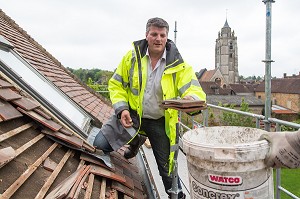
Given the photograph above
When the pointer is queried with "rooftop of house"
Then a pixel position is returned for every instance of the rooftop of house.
(282, 110)
(282, 85)
(206, 75)
(40, 155)
(212, 88)
(240, 88)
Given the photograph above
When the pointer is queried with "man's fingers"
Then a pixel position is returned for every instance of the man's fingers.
(188, 97)
(126, 122)
(126, 119)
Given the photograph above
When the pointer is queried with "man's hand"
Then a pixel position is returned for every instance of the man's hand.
(125, 119)
(284, 149)
(188, 97)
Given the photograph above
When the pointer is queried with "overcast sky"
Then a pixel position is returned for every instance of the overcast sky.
(96, 34)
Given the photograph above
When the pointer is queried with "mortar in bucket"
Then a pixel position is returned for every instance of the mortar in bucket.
(227, 162)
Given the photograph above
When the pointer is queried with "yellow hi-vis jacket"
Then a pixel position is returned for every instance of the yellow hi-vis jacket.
(128, 83)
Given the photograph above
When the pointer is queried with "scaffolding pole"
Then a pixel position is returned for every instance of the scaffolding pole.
(268, 61)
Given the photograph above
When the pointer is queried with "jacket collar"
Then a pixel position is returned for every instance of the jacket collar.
(173, 56)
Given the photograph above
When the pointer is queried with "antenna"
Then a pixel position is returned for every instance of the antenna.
(226, 13)
(175, 32)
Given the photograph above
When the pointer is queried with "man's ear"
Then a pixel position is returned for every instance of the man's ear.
(146, 36)
(168, 46)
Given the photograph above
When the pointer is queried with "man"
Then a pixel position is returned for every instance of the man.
(150, 73)
(284, 149)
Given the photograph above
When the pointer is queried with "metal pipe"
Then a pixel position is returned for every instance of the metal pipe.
(288, 193)
(261, 117)
(147, 176)
(268, 63)
(282, 122)
(205, 117)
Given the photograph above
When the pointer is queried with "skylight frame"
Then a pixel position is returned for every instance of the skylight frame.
(79, 125)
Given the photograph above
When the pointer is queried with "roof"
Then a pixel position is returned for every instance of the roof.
(282, 110)
(251, 87)
(53, 70)
(207, 75)
(282, 85)
(201, 72)
(226, 24)
(40, 156)
(210, 88)
(239, 88)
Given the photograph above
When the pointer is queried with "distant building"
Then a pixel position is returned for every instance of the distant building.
(226, 55)
(211, 76)
(285, 92)
(226, 60)
(292, 76)
(232, 94)
(242, 89)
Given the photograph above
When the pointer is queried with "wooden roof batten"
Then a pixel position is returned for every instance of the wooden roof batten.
(40, 131)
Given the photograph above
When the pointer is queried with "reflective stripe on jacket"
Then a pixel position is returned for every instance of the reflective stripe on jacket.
(128, 83)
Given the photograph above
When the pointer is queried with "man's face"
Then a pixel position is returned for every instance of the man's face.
(157, 39)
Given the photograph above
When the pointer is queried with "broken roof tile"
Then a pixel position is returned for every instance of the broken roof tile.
(5, 84)
(25, 103)
(42, 113)
(49, 164)
(8, 95)
(100, 171)
(73, 140)
(6, 154)
(65, 131)
(64, 187)
(73, 193)
(7, 111)
(46, 122)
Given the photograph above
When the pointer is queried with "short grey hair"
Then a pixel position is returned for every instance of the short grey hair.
(157, 22)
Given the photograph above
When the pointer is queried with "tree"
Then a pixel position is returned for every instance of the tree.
(234, 119)
(287, 128)
(97, 75)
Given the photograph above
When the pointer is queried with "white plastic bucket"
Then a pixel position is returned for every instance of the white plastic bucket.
(227, 163)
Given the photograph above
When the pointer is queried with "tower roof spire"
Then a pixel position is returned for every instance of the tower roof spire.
(226, 23)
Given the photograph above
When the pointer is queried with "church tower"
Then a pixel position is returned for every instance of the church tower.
(226, 55)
